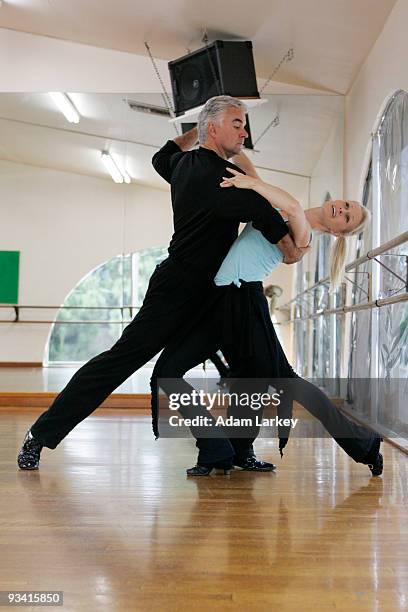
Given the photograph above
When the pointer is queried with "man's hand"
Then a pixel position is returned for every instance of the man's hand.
(291, 253)
(188, 140)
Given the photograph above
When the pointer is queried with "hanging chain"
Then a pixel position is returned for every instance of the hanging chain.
(165, 95)
(289, 55)
(273, 123)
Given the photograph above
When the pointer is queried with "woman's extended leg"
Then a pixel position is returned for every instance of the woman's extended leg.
(360, 443)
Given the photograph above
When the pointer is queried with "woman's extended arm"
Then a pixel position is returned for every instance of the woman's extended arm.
(279, 198)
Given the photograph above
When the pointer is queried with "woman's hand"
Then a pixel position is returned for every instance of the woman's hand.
(242, 181)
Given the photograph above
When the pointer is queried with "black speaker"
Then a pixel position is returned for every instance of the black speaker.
(222, 68)
(248, 144)
(186, 127)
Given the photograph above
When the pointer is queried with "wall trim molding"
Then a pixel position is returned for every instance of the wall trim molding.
(132, 401)
(21, 364)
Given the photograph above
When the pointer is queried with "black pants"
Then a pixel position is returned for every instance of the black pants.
(172, 299)
(192, 346)
(223, 370)
(239, 323)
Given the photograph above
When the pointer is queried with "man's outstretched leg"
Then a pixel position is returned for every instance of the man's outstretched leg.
(143, 338)
(86, 390)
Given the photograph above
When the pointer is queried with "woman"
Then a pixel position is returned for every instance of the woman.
(238, 322)
(339, 218)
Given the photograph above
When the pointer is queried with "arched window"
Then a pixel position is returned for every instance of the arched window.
(379, 338)
(390, 151)
(116, 290)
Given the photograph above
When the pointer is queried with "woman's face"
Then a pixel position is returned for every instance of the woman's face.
(341, 216)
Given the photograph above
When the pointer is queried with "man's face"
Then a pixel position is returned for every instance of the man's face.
(230, 133)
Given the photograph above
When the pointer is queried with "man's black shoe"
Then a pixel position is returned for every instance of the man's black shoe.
(252, 464)
(378, 465)
(29, 455)
(206, 468)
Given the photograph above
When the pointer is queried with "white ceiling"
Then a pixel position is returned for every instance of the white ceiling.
(331, 38)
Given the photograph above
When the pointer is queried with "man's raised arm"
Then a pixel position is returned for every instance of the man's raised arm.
(165, 160)
(188, 140)
(291, 253)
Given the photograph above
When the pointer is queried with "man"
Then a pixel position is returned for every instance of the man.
(206, 221)
(238, 321)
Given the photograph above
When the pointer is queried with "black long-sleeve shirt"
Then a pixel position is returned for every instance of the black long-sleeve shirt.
(207, 216)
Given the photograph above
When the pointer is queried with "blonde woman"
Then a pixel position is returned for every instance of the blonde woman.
(340, 218)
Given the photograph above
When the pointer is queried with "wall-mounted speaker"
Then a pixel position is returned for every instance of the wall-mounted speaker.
(222, 68)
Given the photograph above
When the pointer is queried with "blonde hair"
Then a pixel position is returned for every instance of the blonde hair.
(338, 251)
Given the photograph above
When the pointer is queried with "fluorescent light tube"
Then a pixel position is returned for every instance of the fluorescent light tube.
(126, 177)
(112, 167)
(117, 172)
(65, 106)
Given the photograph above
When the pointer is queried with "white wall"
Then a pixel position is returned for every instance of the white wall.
(65, 225)
(384, 71)
(327, 175)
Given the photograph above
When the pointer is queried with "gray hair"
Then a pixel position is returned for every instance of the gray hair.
(213, 109)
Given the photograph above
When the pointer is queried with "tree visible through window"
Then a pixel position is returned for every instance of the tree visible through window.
(112, 289)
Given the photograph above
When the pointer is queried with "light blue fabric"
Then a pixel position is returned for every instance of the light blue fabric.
(250, 258)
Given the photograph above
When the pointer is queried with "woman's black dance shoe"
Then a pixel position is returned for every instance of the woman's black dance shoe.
(205, 469)
(377, 467)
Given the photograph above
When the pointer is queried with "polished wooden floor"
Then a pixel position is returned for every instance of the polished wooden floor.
(112, 520)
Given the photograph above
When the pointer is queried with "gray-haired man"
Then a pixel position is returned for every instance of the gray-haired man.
(206, 221)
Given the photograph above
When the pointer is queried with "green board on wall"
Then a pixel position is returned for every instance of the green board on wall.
(9, 270)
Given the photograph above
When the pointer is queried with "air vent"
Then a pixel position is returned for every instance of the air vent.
(150, 109)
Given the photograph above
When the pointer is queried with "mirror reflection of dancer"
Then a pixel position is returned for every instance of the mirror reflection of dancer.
(273, 292)
(251, 337)
(206, 220)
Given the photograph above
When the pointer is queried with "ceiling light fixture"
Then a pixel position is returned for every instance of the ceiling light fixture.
(65, 106)
(118, 174)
